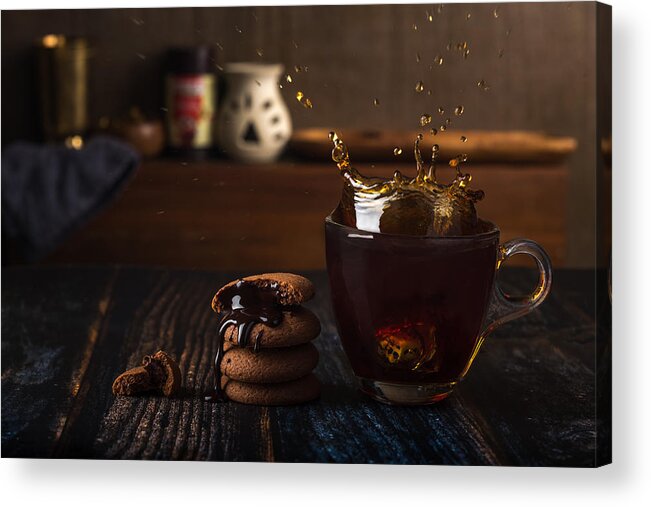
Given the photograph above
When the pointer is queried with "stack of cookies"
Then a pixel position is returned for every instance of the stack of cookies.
(274, 366)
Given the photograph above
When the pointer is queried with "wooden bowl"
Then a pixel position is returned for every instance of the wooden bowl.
(147, 137)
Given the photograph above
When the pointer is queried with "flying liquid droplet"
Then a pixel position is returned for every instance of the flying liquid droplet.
(438, 60)
(238, 29)
(303, 100)
(432, 166)
(288, 78)
(433, 131)
(138, 21)
(449, 46)
(376, 102)
(495, 13)
(463, 139)
(448, 121)
(425, 119)
(508, 32)
(441, 110)
(468, 16)
(453, 162)
(439, 8)
(259, 52)
(417, 57)
(415, 27)
(397, 151)
(219, 46)
(429, 92)
(430, 18)
(458, 110)
(442, 128)
(75, 142)
(420, 86)
(295, 44)
(466, 53)
(500, 54)
(298, 68)
(483, 85)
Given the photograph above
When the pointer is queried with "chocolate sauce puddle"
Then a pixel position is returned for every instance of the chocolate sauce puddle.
(247, 306)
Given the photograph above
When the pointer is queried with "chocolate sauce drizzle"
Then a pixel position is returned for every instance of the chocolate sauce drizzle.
(247, 305)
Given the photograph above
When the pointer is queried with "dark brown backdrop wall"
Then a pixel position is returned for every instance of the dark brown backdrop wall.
(537, 58)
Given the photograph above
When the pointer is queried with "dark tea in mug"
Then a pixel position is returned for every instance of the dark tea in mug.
(409, 308)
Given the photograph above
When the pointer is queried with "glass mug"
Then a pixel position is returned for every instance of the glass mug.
(413, 311)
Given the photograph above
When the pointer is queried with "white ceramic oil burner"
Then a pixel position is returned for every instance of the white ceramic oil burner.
(253, 122)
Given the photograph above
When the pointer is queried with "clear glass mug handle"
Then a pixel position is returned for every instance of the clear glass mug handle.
(504, 307)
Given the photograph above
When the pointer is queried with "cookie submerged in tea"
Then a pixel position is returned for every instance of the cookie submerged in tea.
(419, 206)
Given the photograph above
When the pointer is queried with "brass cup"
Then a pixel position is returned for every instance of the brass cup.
(62, 70)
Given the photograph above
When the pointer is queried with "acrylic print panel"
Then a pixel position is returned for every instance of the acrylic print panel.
(325, 234)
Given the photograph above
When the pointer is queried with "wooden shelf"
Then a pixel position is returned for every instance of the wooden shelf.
(228, 216)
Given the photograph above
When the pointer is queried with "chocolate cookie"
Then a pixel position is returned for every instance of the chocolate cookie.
(269, 366)
(158, 372)
(290, 289)
(299, 325)
(293, 392)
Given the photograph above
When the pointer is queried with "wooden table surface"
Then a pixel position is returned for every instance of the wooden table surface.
(529, 399)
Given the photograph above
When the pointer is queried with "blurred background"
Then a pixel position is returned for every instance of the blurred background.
(530, 83)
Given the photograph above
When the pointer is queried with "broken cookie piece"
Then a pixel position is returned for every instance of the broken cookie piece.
(158, 372)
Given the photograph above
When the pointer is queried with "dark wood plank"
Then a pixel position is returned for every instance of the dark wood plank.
(49, 327)
(528, 400)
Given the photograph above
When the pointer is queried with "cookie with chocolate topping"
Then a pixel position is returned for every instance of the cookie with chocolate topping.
(298, 325)
(264, 337)
(288, 288)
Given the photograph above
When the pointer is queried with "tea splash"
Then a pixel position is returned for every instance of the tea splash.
(419, 206)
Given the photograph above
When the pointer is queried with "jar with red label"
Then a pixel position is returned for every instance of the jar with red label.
(190, 100)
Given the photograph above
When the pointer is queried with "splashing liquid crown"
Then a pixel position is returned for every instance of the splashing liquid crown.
(419, 206)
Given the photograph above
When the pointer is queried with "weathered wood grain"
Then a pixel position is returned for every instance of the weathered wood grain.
(66, 333)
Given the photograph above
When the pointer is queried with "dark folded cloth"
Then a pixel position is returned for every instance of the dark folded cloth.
(49, 191)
